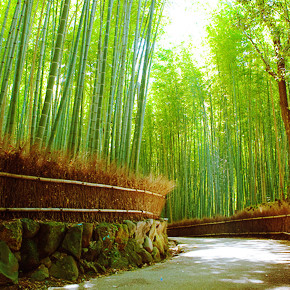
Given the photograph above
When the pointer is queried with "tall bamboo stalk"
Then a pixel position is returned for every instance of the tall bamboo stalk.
(52, 74)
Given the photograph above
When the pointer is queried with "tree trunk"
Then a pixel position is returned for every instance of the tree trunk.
(285, 116)
(284, 107)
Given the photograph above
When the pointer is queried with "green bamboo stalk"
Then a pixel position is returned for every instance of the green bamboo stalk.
(131, 97)
(26, 113)
(141, 105)
(37, 90)
(120, 89)
(240, 194)
(69, 77)
(3, 27)
(114, 73)
(19, 68)
(80, 86)
(79, 91)
(94, 105)
(96, 130)
(10, 48)
(52, 75)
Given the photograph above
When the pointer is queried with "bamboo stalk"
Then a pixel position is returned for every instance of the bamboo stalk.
(102, 78)
(19, 68)
(52, 75)
(38, 81)
(69, 77)
(75, 125)
(76, 182)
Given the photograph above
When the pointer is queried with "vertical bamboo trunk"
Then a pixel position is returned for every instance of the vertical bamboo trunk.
(102, 78)
(142, 98)
(132, 88)
(3, 28)
(10, 48)
(19, 68)
(52, 74)
(105, 152)
(94, 105)
(69, 77)
(37, 91)
(120, 88)
(281, 175)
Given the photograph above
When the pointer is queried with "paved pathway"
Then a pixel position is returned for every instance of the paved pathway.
(210, 264)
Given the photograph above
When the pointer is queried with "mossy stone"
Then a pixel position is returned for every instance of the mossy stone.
(8, 265)
(105, 233)
(29, 255)
(132, 246)
(161, 227)
(11, 233)
(88, 229)
(146, 257)
(135, 259)
(156, 255)
(122, 236)
(142, 228)
(72, 242)
(159, 244)
(65, 268)
(132, 251)
(46, 262)
(40, 274)
(50, 237)
(148, 245)
(131, 228)
(30, 228)
(152, 232)
(93, 252)
(117, 260)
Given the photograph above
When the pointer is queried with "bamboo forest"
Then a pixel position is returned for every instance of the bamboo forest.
(89, 77)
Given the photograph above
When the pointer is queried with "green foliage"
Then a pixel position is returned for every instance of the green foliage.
(74, 77)
(217, 133)
(65, 70)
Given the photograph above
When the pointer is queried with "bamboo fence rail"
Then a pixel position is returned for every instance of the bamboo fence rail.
(74, 210)
(76, 182)
(48, 198)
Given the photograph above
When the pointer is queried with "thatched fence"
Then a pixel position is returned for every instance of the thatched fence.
(259, 226)
(70, 200)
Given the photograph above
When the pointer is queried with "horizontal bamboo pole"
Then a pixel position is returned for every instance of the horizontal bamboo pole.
(241, 234)
(76, 182)
(2, 209)
(230, 221)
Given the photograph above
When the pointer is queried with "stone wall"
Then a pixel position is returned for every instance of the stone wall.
(40, 250)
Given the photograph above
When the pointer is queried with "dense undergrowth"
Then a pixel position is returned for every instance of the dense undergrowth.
(263, 210)
(87, 169)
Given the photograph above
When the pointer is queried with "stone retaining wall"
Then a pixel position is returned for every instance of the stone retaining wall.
(40, 250)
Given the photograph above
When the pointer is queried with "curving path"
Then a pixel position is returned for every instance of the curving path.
(206, 263)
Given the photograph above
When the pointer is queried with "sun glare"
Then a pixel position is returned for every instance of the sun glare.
(187, 20)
